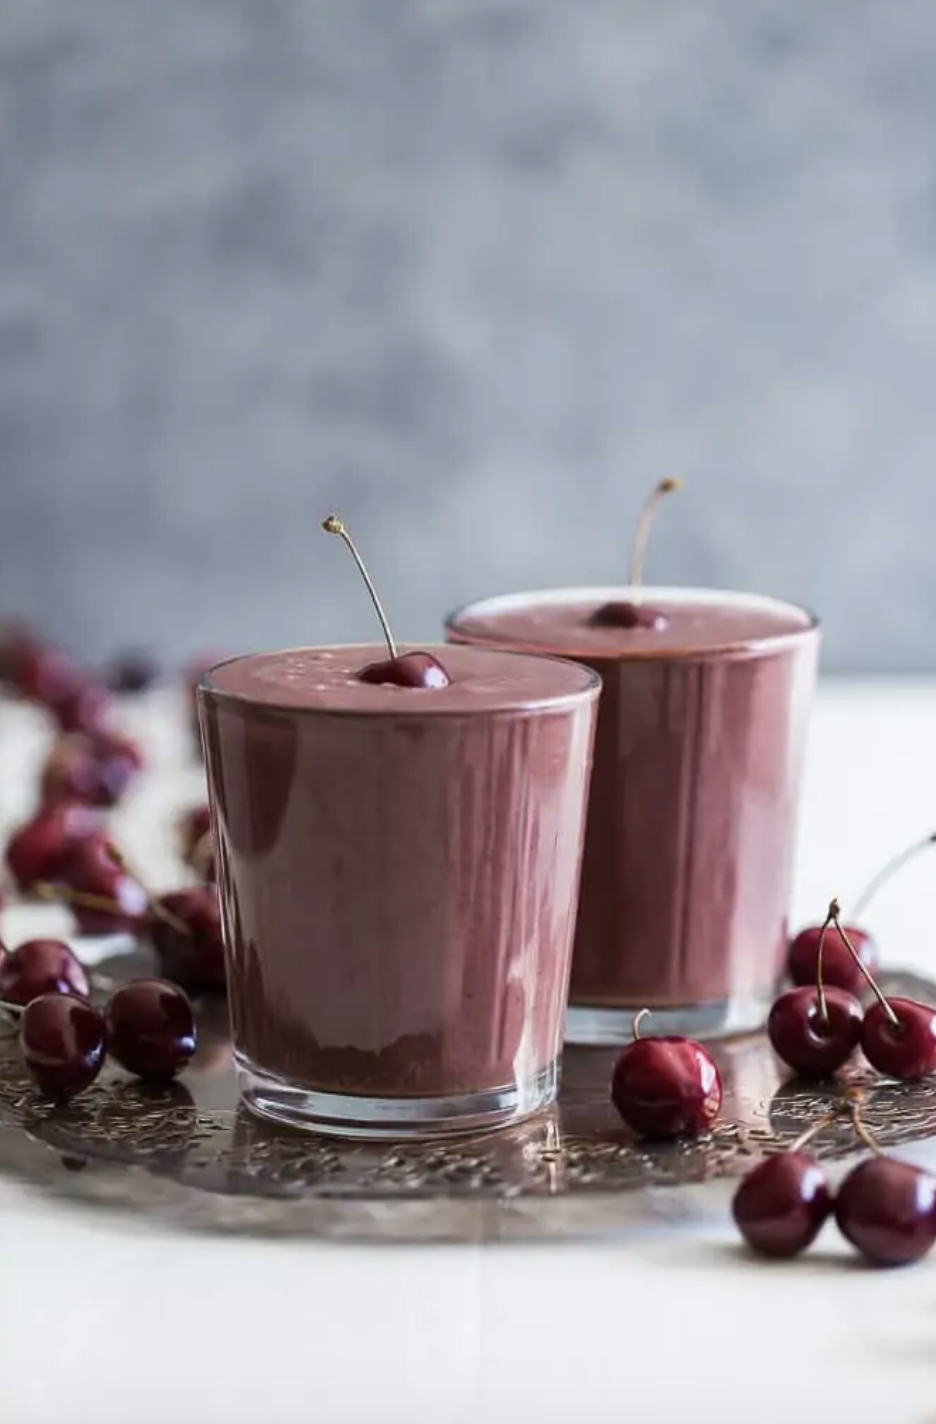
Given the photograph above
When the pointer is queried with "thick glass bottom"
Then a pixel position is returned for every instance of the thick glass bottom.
(717, 1019)
(397, 1119)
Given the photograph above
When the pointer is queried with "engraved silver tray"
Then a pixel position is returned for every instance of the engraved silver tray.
(192, 1154)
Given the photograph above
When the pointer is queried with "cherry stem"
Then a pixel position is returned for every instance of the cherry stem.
(864, 1133)
(880, 880)
(644, 525)
(820, 987)
(637, 1021)
(818, 1126)
(153, 901)
(835, 911)
(334, 525)
(63, 895)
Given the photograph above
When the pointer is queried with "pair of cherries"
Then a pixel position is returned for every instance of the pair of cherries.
(886, 1209)
(815, 1029)
(147, 1025)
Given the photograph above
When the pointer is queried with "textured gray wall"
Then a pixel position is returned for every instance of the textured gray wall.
(476, 274)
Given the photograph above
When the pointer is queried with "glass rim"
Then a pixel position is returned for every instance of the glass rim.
(458, 620)
(588, 692)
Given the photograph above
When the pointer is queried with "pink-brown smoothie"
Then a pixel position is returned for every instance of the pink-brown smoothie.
(399, 867)
(691, 824)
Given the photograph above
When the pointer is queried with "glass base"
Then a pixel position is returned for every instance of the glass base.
(717, 1019)
(396, 1119)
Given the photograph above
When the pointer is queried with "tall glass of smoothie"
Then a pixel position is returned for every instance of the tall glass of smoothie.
(691, 824)
(399, 847)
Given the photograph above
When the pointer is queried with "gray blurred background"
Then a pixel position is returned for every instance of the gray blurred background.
(475, 273)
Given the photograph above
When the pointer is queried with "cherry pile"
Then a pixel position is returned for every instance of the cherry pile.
(885, 1208)
(147, 1025)
(815, 1030)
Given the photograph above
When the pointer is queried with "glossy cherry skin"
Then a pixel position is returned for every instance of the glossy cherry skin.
(624, 614)
(196, 959)
(808, 1044)
(151, 1028)
(194, 829)
(407, 670)
(42, 673)
(666, 1087)
(41, 966)
(62, 1040)
(907, 1050)
(38, 850)
(887, 1209)
(84, 709)
(838, 967)
(782, 1204)
(90, 871)
(96, 769)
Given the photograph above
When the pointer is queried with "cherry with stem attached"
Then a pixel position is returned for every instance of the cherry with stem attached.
(783, 1203)
(413, 669)
(816, 1029)
(840, 967)
(886, 1208)
(898, 1035)
(666, 1086)
(634, 612)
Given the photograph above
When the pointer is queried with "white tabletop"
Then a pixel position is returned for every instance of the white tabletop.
(112, 1320)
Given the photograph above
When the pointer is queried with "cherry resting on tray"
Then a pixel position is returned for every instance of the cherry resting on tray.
(887, 1210)
(41, 966)
(104, 897)
(839, 966)
(414, 669)
(184, 928)
(62, 1042)
(150, 1028)
(93, 767)
(633, 612)
(815, 1033)
(39, 849)
(666, 1086)
(783, 1203)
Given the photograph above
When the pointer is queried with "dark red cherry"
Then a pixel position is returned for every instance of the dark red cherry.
(96, 769)
(132, 671)
(41, 966)
(666, 1087)
(626, 614)
(42, 673)
(194, 959)
(887, 1209)
(83, 709)
(89, 870)
(906, 1049)
(838, 966)
(781, 1205)
(807, 1042)
(62, 1042)
(194, 831)
(407, 670)
(151, 1028)
(39, 849)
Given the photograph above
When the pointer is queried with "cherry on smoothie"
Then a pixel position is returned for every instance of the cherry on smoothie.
(666, 1086)
(413, 669)
(634, 612)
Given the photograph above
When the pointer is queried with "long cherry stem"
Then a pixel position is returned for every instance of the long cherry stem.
(820, 987)
(644, 525)
(637, 1021)
(334, 525)
(891, 868)
(861, 1131)
(835, 913)
(812, 1131)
